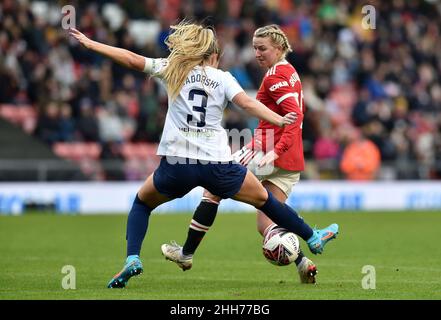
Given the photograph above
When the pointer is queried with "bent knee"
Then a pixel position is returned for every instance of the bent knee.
(207, 196)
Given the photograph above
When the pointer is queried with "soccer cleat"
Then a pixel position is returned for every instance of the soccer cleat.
(307, 271)
(173, 252)
(320, 237)
(132, 268)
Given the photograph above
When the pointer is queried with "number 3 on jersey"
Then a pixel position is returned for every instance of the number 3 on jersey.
(201, 108)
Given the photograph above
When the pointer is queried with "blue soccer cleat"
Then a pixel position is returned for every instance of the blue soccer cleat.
(320, 237)
(133, 267)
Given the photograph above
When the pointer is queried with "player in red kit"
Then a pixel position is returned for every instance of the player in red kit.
(281, 91)
(275, 154)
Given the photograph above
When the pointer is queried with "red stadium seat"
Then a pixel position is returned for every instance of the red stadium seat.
(128, 151)
(141, 159)
(85, 154)
(24, 116)
(92, 150)
(62, 150)
(139, 150)
(147, 150)
(78, 150)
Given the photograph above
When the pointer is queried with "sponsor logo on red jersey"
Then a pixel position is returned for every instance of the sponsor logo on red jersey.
(278, 85)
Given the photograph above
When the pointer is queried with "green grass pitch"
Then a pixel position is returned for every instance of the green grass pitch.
(401, 246)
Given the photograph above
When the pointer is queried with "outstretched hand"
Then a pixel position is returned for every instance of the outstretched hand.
(289, 118)
(85, 41)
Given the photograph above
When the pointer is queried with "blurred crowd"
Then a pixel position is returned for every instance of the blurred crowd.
(380, 84)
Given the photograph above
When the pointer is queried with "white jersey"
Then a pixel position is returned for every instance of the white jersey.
(193, 123)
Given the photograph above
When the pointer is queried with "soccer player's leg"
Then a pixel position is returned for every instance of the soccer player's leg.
(306, 269)
(201, 222)
(222, 179)
(252, 192)
(147, 199)
(263, 222)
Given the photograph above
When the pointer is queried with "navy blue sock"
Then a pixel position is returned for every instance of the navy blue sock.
(285, 217)
(137, 224)
(299, 258)
(203, 219)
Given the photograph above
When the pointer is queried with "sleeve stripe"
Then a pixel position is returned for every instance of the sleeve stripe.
(148, 65)
(284, 97)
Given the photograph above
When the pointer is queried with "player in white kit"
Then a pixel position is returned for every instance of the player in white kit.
(194, 146)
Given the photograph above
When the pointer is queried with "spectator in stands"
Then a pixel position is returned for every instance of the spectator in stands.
(9, 86)
(110, 125)
(147, 125)
(66, 124)
(396, 62)
(48, 128)
(113, 164)
(361, 158)
(326, 151)
(87, 124)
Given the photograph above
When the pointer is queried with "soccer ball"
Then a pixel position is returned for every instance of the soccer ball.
(281, 247)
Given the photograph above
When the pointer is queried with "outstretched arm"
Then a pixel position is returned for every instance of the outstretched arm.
(259, 110)
(121, 56)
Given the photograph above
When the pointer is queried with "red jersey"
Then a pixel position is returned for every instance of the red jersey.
(281, 91)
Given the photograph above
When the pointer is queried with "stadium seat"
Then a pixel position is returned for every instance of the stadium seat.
(77, 151)
(147, 150)
(141, 158)
(128, 151)
(139, 150)
(62, 150)
(85, 154)
(24, 116)
(92, 150)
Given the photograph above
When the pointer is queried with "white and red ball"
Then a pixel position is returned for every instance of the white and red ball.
(281, 247)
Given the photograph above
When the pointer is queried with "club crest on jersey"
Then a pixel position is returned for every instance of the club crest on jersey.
(278, 85)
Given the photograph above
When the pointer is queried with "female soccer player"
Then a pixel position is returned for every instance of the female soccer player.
(281, 92)
(194, 146)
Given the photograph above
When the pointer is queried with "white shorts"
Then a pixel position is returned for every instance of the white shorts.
(285, 180)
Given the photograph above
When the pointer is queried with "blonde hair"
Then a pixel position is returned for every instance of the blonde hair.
(190, 45)
(277, 36)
